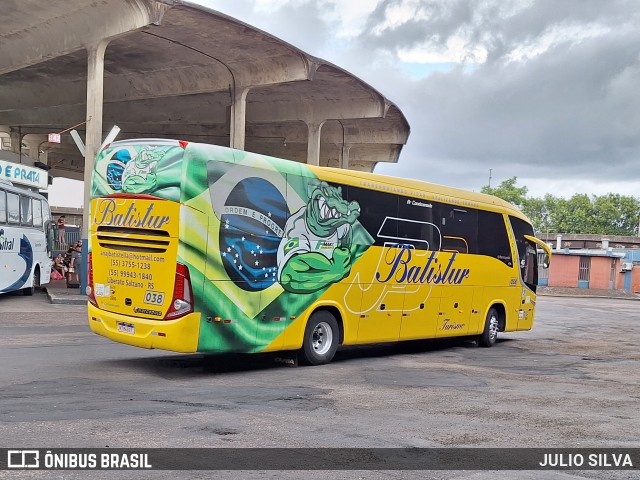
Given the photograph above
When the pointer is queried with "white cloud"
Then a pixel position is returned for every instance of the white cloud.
(553, 36)
(348, 17)
(398, 14)
(456, 50)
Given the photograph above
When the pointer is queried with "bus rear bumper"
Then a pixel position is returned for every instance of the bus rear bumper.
(180, 335)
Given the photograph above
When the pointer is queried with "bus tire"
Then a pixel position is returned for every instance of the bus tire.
(490, 333)
(321, 337)
(28, 291)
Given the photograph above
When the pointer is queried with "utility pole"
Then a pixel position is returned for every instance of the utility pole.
(489, 178)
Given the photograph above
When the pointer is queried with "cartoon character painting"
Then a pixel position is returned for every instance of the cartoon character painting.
(139, 175)
(134, 175)
(314, 251)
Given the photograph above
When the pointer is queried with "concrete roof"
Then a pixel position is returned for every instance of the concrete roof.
(172, 69)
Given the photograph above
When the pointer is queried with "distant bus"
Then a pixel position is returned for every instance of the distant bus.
(201, 248)
(26, 239)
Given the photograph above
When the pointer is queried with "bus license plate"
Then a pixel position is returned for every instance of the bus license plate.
(126, 328)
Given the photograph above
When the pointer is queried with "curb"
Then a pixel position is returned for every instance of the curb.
(568, 295)
(67, 299)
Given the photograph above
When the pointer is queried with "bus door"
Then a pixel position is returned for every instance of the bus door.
(456, 311)
(420, 310)
(459, 226)
(422, 297)
(381, 297)
(529, 276)
(527, 270)
(418, 231)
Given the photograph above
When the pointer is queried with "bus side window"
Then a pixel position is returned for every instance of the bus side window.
(13, 208)
(26, 214)
(416, 224)
(459, 229)
(378, 213)
(493, 240)
(37, 213)
(3, 207)
(46, 212)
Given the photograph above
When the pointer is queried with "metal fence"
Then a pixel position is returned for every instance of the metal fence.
(71, 235)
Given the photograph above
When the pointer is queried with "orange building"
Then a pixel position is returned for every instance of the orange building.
(593, 261)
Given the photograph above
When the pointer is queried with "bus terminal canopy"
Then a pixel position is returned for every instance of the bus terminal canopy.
(173, 69)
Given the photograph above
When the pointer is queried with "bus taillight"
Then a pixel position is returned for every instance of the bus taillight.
(182, 301)
(91, 296)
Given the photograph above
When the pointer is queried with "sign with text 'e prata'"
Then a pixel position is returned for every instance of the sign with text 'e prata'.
(24, 174)
(54, 138)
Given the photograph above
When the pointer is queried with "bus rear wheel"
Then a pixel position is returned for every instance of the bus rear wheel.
(321, 337)
(490, 333)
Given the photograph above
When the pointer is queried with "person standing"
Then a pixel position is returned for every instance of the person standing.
(75, 265)
(61, 236)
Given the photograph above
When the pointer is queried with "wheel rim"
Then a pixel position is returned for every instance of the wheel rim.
(493, 328)
(322, 338)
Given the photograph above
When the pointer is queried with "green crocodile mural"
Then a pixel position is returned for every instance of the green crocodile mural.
(314, 251)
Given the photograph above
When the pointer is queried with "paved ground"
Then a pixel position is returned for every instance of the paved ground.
(570, 382)
(587, 292)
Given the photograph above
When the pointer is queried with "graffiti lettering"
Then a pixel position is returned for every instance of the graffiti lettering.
(432, 272)
(132, 218)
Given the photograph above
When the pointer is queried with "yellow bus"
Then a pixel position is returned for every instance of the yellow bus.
(202, 248)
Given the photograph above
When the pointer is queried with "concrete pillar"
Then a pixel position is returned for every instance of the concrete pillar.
(238, 118)
(313, 142)
(344, 156)
(16, 140)
(32, 143)
(95, 92)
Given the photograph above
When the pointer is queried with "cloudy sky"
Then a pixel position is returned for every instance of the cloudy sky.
(545, 90)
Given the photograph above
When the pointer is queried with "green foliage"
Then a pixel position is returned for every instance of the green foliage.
(508, 191)
(610, 214)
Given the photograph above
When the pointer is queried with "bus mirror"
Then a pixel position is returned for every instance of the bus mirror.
(546, 260)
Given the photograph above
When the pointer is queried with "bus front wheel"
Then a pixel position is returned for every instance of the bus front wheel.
(28, 291)
(490, 333)
(321, 337)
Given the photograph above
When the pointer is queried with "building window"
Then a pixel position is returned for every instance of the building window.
(583, 272)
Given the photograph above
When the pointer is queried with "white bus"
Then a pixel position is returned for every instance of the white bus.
(25, 239)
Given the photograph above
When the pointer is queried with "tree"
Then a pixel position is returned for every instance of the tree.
(508, 191)
(610, 214)
(572, 216)
(616, 214)
(539, 211)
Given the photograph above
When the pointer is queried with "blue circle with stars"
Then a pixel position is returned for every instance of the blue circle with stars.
(250, 233)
